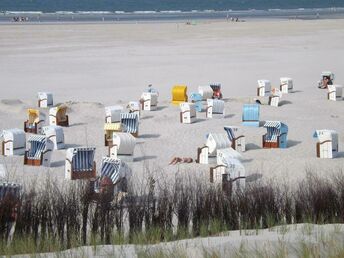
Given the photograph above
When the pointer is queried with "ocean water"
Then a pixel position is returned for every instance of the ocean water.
(161, 5)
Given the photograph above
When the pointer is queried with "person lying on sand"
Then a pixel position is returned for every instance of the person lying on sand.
(176, 160)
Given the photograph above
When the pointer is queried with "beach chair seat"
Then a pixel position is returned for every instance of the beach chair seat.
(109, 129)
(113, 114)
(56, 135)
(196, 98)
(334, 92)
(57, 116)
(130, 123)
(34, 122)
(216, 87)
(276, 136)
(179, 94)
(286, 85)
(45, 99)
(122, 144)
(188, 113)
(215, 106)
(327, 144)
(237, 142)
(206, 92)
(264, 87)
(13, 142)
(39, 152)
(149, 101)
(250, 115)
(80, 163)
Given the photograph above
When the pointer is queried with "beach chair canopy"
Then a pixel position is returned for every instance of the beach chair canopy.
(187, 106)
(217, 141)
(215, 86)
(114, 169)
(250, 112)
(9, 190)
(274, 129)
(325, 135)
(206, 92)
(327, 74)
(264, 83)
(150, 89)
(82, 158)
(34, 116)
(59, 112)
(38, 144)
(113, 114)
(125, 143)
(179, 94)
(16, 136)
(223, 155)
(231, 130)
(130, 122)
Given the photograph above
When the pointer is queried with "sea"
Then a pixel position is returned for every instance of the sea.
(37, 11)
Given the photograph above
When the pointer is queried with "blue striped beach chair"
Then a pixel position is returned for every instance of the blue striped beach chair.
(250, 115)
(80, 163)
(130, 123)
(39, 152)
(276, 135)
(239, 142)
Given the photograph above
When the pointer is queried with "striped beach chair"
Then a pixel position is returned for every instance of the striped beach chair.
(80, 163)
(197, 98)
(250, 115)
(188, 113)
(286, 85)
(264, 86)
(34, 122)
(215, 106)
(130, 123)
(238, 142)
(276, 136)
(134, 107)
(45, 99)
(13, 142)
(55, 134)
(39, 152)
(57, 116)
(327, 144)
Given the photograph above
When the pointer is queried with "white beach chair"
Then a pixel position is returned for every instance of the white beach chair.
(80, 163)
(13, 142)
(39, 152)
(34, 122)
(206, 92)
(275, 97)
(134, 107)
(123, 145)
(215, 106)
(286, 85)
(45, 99)
(56, 135)
(203, 155)
(57, 116)
(264, 86)
(334, 92)
(149, 101)
(327, 145)
(188, 113)
(217, 141)
(237, 142)
(113, 114)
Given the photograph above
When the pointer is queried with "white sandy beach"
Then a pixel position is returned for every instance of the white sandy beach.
(90, 66)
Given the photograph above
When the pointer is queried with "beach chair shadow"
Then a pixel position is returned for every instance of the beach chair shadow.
(77, 124)
(340, 155)
(146, 117)
(292, 143)
(161, 108)
(150, 135)
(143, 158)
(285, 102)
(253, 177)
(229, 116)
(252, 146)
